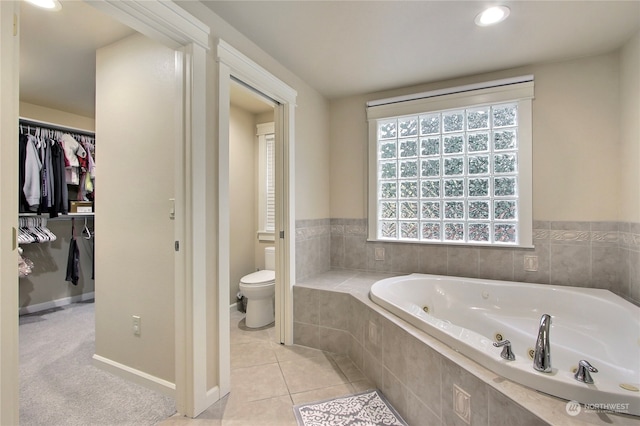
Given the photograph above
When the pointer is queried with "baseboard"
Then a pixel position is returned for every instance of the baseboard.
(136, 376)
(56, 303)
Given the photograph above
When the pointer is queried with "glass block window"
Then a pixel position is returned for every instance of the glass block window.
(449, 176)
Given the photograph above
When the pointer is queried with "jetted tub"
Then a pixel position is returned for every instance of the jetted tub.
(470, 314)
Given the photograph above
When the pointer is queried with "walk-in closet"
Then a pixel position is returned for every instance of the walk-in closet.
(56, 235)
(60, 197)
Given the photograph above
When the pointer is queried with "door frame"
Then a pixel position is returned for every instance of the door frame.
(9, 109)
(233, 64)
(166, 22)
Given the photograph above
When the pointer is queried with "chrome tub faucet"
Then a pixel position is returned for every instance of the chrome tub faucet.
(506, 353)
(542, 354)
(583, 373)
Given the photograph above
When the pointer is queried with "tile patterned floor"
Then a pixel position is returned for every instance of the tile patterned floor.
(268, 379)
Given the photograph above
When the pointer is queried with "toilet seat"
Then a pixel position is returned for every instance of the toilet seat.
(260, 277)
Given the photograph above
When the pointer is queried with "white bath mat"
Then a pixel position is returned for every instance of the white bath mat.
(369, 408)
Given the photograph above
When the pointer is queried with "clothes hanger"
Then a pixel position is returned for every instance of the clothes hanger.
(86, 233)
(43, 227)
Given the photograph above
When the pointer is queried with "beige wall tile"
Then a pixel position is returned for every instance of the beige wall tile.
(305, 335)
(334, 309)
(334, 340)
(503, 412)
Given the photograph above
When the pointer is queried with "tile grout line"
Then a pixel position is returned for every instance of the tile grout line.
(284, 379)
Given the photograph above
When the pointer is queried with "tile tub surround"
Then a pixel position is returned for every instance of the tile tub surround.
(583, 254)
(416, 372)
(313, 247)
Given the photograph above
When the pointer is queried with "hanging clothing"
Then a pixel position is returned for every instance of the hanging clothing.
(33, 167)
(23, 206)
(61, 199)
(76, 154)
(47, 193)
(73, 261)
(47, 156)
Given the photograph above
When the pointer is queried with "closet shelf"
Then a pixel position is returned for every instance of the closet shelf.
(67, 216)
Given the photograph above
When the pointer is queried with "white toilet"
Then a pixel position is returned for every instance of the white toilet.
(259, 289)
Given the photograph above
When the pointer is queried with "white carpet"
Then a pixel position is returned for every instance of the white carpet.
(369, 408)
(59, 384)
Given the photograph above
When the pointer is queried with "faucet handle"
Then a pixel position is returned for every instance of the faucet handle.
(506, 350)
(584, 372)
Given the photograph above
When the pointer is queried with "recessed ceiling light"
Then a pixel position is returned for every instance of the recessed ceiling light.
(492, 15)
(53, 5)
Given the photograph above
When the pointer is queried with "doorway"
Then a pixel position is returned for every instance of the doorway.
(235, 67)
(109, 293)
(251, 186)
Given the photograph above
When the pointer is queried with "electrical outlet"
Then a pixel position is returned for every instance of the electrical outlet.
(379, 253)
(136, 325)
(531, 263)
(462, 404)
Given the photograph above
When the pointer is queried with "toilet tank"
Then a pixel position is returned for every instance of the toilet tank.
(270, 258)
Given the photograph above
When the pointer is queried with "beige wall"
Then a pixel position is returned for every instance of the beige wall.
(242, 196)
(630, 130)
(576, 149)
(311, 132)
(312, 156)
(55, 116)
(576, 140)
(136, 118)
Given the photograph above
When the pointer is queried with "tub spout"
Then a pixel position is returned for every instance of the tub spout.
(542, 354)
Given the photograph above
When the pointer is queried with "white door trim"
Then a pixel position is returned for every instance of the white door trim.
(160, 20)
(232, 63)
(9, 100)
(224, 236)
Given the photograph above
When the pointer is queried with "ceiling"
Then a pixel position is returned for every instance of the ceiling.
(58, 54)
(340, 48)
(343, 48)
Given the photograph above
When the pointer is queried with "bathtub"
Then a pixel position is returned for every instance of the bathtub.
(470, 314)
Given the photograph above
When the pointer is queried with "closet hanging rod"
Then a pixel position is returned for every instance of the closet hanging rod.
(52, 126)
(67, 216)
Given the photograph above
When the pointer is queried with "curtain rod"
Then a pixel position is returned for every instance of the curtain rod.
(451, 90)
(52, 126)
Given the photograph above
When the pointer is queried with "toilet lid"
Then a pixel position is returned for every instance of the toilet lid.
(260, 277)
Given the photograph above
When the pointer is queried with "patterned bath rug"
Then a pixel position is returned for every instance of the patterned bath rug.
(368, 408)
